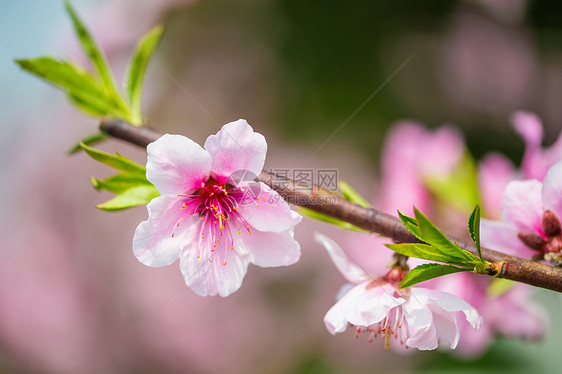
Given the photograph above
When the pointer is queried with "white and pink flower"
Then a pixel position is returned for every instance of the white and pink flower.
(211, 215)
(531, 213)
(415, 316)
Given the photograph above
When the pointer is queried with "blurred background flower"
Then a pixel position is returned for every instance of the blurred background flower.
(72, 296)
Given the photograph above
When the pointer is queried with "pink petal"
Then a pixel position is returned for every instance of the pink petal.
(552, 189)
(529, 126)
(450, 303)
(352, 272)
(522, 205)
(236, 149)
(364, 306)
(270, 249)
(208, 278)
(516, 315)
(271, 212)
(424, 339)
(442, 151)
(176, 164)
(502, 237)
(153, 244)
(446, 326)
(335, 320)
(417, 313)
(495, 171)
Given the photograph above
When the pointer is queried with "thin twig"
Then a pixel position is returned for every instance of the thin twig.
(322, 201)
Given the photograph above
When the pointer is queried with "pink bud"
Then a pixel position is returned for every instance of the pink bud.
(532, 240)
(550, 224)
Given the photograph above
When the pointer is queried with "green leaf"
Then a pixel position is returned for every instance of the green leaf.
(432, 235)
(411, 224)
(116, 161)
(119, 183)
(324, 218)
(499, 286)
(427, 272)
(459, 188)
(89, 140)
(90, 48)
(425, 252)
(137, 69)
(98, 60)
(351, 195)
(79, 84)
(474, 228)
(136, 196)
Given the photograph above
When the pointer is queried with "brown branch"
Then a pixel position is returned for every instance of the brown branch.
(321, 201)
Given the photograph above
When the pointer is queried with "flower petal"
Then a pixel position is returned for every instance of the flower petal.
(502, 237)
(424, 339)
(529, 126)
(335, 320)
(270, 213)
(365, 305)
(209, 278)
(235, 149)
(450, 303)
(446, 326)
(153, 244)
(270, 249)
(522, 205)
(495, 171)
(347, 268)
(552, 189)
(176, 164)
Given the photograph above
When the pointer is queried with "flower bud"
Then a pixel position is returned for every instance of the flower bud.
(550, 224)
(532, 240)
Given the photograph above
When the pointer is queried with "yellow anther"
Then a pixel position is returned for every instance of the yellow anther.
(198, 256)
(239, 231)
(210, 260)
(224, 262)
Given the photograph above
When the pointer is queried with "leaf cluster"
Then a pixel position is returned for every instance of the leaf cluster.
(130, 185)
(96, 93)
(436, 246)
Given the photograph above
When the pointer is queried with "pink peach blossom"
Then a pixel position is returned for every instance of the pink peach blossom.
(536, 160)
(418, 317)
(210, 209)
(531, 213)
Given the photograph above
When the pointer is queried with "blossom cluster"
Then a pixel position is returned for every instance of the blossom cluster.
(216, 219)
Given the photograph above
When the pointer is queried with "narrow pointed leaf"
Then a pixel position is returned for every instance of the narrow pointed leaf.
(90, 48)
(432, 235)
(426, 252)
(351, 195)
(119, 183)
(137, 69)
(116, 161)
(136, 196)
(324, 218)
(428, 271)
(474, 228)
(410, 224)
(89, 140)
(99, 61)
(78, 83)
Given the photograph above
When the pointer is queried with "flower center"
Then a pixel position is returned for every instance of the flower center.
(217, 205)
(393, 324)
